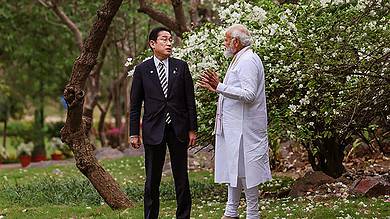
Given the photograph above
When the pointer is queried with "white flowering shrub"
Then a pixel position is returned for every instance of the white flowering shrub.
(3, 153)
(326, 65)
(334, 82)
(58, 147)
(24, 149)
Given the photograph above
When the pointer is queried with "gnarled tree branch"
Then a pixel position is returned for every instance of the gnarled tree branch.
(177, 25)
(180, 16)
(53, 5)
(74, 132)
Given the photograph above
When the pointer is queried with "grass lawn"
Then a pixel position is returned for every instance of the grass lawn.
(62, 192)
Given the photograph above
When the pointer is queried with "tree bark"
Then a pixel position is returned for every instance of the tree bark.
(103, 113)
(53, 5)
(72, 26)
(127, 110)
(150, 22)
(180, 16)
(194, 13)
(93, 90)
(177, 25)
(134, 37)
(39, 152)
(329, 158)
(74, 133)
(118, 85)
(117, 104)
(5, 134)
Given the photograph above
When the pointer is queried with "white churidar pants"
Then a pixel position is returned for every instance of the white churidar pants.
(251, 195)
(234, 193)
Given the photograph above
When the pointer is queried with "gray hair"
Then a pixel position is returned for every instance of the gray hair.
(241, 33)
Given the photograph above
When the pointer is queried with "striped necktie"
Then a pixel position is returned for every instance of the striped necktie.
(164, 85)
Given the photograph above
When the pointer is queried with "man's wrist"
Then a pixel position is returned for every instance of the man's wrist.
(220, 87)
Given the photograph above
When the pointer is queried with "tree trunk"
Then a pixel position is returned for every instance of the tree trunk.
(150, 22)
(93, 90)
(134, 36)
(127, 110)
(117, 105)
(39, 152)
(5, 134)
(180, 16)
(329, 158)
(177, 25)
(117, 93)
(103, 113)
(74, 133)
(194, 13)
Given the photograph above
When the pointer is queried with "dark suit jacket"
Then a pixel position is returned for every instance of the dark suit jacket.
(180, 101)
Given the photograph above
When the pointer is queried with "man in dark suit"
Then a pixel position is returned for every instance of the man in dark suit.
(165, 86)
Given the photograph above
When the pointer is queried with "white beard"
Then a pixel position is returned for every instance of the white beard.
(228, 52)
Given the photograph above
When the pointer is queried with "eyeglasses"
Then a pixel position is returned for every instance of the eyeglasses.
(166, 40)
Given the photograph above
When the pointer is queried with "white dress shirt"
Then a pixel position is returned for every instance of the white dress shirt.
(165, 61)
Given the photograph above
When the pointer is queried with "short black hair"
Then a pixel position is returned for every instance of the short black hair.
(154, 33)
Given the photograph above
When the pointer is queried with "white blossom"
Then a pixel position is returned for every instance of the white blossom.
(325, 2)
(273, 28)
(293, 108)
(128, 62)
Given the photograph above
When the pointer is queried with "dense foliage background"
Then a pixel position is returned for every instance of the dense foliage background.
(326, 65)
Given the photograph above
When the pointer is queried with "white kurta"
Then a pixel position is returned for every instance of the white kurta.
(242, 120)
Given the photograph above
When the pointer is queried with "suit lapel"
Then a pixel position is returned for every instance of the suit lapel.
(172, 68)
(152, 74)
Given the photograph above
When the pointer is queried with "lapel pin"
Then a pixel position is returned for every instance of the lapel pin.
(151, 72)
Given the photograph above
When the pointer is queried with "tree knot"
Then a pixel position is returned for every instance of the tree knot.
(73, 96)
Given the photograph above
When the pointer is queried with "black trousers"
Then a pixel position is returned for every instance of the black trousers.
(154, 162)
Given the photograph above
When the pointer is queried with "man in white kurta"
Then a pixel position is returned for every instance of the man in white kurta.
(241, 150)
